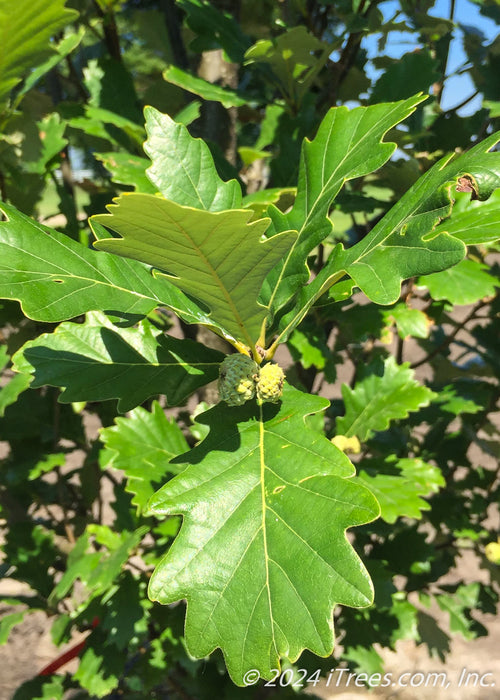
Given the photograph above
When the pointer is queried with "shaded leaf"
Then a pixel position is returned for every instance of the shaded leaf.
(66, 46)
(99, 670)
(258, 201)
(26, 29)
(410, 322)
(10, 391)
(293, 60)
(376, 401)
(96, 361)
(457, 604)
(452, 402)
(202, 88)
(413, 72)
(97, 569)
(52, 142)
(8, 622)
(127, 169)
(261, 577)
(141, 445)
(42, 688)
(183, 168)
(464, 283)
(214, 29)
(95, 119)
(400, 494)
(217, 257)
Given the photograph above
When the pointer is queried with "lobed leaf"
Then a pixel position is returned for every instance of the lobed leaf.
(466, 283)
(127, 169)
(399, 494)
(182, 167)
(290, 61)
(348, 145)
(214, 29)
(217, 257)
(261, 577)
(410, 323)
(142, 446)
(403, 243)
(478, 224)
(376, 401)
(407, 241)
(97, 361)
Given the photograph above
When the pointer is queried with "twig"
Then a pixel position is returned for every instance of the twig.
(451, 337)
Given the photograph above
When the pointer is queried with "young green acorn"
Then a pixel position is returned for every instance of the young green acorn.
(270, 383)
(238, 376)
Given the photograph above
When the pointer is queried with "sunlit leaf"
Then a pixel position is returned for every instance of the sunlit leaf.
(261, 576)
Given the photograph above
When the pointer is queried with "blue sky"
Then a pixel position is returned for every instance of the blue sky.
(466, 13)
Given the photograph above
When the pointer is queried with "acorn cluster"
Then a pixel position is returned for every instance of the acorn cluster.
(240, 379)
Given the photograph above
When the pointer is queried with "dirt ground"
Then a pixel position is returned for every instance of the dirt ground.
(471, 669)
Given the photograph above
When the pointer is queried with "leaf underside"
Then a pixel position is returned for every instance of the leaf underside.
(56, 278)
(217, 257)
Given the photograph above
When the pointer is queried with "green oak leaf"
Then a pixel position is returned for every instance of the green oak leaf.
(213, 28)
(202, 88)
(376, 401)
(400, 494)
(141, 445)
(259, 201)
(403, 243)
(51, 143)
(182, 167)
(26, 30)
(478, 224)
(10, 390)
(462, 284)
(410, 323)
(260, 575)
(451, 401)
(217, 257)
(458, 603)
(406, 242)
(66, 46)
(128, 169)
(348, 145)
(413, 72)
(52, 687)
(56, 278)
(96, 361)
(14, 386)
(8, 622)
(97, 569)
(291, 61)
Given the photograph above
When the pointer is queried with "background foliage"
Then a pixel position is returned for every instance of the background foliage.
(413, 384)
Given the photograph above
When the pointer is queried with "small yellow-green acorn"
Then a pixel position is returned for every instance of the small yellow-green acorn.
(270, 383)
(237, 379)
